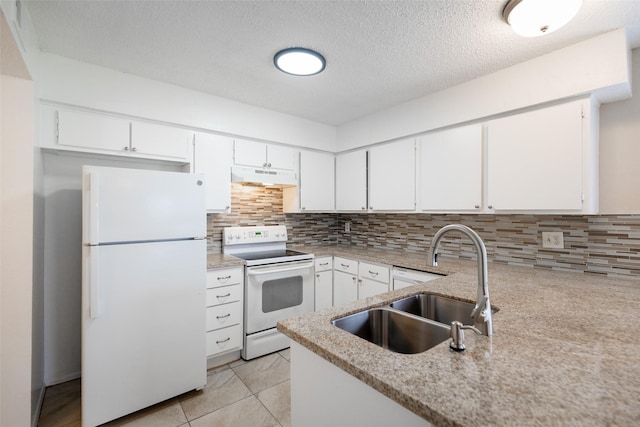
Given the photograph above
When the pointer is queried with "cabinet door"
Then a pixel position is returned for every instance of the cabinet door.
(351, 181)
(317, 174)
(451, 170)
(324, 289)
(158, 140)
(392, 176)
(249, 153)
(279, 157)
(368, 288)
(535, 160)
(212, 156)
(345, 288)
(88, 130)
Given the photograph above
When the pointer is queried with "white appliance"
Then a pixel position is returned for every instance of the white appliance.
(404, 277)
(279, 284)
(283, 178)
(143, 289)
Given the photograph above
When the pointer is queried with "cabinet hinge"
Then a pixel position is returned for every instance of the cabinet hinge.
(57, 127)
(582, 111)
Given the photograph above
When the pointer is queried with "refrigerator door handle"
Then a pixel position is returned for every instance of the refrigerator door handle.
(94, 283)
(94, 192)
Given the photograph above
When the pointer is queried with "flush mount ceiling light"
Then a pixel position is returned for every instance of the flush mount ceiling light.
(299, 61)
(533, 18)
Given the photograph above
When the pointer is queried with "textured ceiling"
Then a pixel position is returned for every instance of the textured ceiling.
(379, 53)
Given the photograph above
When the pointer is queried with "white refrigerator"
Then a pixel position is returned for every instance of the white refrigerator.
(143, 289)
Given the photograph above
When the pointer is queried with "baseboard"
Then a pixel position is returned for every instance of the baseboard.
(62, 379)
(35, 416)
(223, 359)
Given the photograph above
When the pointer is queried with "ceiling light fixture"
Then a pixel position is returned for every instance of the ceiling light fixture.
(533, 18)
(299, 61)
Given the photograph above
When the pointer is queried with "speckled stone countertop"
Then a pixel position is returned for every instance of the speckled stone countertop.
(222, 261)
(565, 349)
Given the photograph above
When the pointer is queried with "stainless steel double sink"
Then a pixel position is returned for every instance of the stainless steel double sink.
(411, 325)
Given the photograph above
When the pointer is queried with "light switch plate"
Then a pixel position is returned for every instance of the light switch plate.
(553, 239)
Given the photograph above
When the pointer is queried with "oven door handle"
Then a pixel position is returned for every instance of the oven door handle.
(255, 271)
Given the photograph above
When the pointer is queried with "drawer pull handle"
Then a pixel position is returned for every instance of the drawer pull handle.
(373, 273)
(224, 340)
(225, 277)
(324, 263)
(224, 296)
(344, 265)
(223, 317)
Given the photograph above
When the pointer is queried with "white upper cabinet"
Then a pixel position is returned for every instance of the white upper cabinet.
(351, 181)
(259, 154)
(160, 140)
(279, 157)
(450, 168)
(317, 175)
(212, 155)
(100, 133)
(250, 153)
(392, 176)
(93, 131)
(539, 160)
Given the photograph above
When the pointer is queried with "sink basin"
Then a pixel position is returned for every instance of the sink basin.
(437, 308)
(394, 330)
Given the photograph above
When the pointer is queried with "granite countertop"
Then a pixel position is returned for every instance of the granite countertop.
(564, 349)
(223, 261)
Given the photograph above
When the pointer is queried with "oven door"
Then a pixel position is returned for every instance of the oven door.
(277, 292)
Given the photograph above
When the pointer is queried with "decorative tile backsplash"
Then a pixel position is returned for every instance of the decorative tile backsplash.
(608, 245)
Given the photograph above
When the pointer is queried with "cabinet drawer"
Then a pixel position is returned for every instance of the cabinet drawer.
(224, 339)
(224, 295)
(376, 272)
(223, 315)
(224, 277)
(346, 265)
(324, 263)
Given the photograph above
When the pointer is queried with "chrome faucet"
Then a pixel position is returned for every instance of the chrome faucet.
(481, 313)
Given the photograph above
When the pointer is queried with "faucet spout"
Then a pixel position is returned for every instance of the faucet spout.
(481, 313)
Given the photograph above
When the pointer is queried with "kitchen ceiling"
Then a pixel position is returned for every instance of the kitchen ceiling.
(379, 53)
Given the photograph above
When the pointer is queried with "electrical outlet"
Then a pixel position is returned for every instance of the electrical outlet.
(347, 227)
(553, 239)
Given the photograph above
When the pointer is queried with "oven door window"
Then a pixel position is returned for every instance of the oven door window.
(282, 293)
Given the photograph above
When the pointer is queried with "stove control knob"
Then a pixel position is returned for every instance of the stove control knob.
(238, 236)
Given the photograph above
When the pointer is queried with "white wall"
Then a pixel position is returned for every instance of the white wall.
(598, 65)
(68, 81)
(16, 241)
(620, 151)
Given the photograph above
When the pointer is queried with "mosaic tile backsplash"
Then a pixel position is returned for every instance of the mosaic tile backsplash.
(608, 245)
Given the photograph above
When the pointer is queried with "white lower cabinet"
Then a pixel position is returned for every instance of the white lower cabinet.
(317, 385)
(353, 280)
(373, 279)
(345, 280)
(324, 282)
(224, 310)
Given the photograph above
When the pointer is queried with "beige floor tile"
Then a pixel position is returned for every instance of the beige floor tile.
(285, 353)
(277, 400)
(61, 405)
(247, 412)
(222, 389)
(165, 414)
(267, 371)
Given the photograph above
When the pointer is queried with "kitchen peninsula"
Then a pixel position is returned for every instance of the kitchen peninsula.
(563, 350)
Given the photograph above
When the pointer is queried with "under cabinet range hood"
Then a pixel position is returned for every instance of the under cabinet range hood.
(263, 176)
